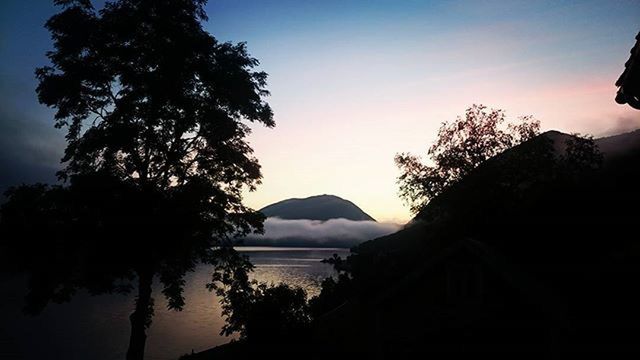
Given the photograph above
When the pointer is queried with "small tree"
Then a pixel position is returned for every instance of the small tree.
(259, 312)
(461, 146)
(156, 162)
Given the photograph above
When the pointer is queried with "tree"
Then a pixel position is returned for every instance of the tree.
(155, 110)
(261, 313)
(461, 146)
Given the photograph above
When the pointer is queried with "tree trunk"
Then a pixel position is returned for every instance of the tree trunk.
(141, 316)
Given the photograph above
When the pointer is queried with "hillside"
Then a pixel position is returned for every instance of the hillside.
(475, 200)
(320, 207)
(621, 144)
(523, 253)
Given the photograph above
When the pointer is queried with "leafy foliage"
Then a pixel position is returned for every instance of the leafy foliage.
(582, 155)
(148, 95)
(231, 283)
(279, 313)
(156, 112)
(461, 146)
(335, 292)
(261, 313)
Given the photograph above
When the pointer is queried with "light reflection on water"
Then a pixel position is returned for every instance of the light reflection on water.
(98, 327)
(295, 266)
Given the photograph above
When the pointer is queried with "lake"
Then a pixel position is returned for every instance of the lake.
(98, 327)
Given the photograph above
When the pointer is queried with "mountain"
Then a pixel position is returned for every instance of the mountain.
(317, 221)
(320, 207)
(621, 144)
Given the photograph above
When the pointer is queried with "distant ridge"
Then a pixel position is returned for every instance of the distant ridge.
(620, 144)
(319, 207)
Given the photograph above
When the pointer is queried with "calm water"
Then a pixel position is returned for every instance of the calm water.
(98, 327)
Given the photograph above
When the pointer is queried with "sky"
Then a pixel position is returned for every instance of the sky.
(355, 82)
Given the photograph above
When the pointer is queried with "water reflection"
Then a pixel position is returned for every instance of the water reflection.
(98, 327)
(297, 266)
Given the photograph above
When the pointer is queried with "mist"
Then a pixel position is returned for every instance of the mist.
(314, 233)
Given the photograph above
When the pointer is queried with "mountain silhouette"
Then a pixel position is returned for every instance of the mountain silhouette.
(619, 145)
(319, 207)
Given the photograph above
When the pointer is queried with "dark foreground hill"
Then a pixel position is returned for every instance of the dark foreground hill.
(525, 254)
(320, 207)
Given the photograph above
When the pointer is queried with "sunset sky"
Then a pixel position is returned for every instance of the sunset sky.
(355, 82)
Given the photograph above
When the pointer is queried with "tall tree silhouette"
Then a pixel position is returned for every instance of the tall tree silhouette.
(460, 147)
(156, 110)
